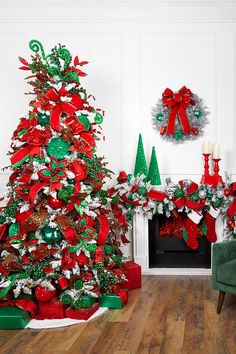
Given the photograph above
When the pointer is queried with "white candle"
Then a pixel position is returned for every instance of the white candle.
(216, 151)
(206, 147)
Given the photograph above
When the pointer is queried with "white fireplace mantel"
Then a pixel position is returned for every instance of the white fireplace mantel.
(141, 251)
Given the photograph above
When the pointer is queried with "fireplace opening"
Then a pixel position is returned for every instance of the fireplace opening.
(167, 248)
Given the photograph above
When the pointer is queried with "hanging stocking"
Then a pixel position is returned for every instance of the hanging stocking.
(210, 222)
(190, 230)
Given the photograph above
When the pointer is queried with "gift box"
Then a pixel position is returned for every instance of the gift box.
(114, 301)
(81, 314)
(132, 272)
(86, 301)
(52, 309)
(13, 318)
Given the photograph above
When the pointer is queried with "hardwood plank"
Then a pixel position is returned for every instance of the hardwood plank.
(170, 314)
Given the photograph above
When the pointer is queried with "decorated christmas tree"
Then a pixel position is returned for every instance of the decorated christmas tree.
(58, 232)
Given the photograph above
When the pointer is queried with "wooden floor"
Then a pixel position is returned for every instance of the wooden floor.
(170, 314)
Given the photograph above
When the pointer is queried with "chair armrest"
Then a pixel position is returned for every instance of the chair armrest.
(222, 252)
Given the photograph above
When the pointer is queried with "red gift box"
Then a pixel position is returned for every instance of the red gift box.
(132, 272)
(53, 309)
(81, 314)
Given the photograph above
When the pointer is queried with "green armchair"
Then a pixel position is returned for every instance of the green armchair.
(224, 270)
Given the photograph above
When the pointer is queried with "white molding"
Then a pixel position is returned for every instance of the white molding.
(119, 3)
(177, 271)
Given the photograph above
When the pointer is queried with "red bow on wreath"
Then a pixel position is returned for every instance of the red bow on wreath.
(62, 105)
(178, 102)
(186, 200)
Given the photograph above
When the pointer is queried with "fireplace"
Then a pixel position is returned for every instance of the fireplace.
(167, 248)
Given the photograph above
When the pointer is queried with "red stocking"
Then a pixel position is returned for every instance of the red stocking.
(190, 234)
(210, 221)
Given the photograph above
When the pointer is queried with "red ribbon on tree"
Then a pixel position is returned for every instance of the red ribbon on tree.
(178, 102)
(191, 189)
(62, 106)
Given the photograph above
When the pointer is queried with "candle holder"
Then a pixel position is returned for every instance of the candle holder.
(206, 178)
(216, 178)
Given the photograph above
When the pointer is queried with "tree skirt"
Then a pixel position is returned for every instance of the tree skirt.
(41, 324)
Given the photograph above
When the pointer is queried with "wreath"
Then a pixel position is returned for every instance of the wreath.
(180, 116)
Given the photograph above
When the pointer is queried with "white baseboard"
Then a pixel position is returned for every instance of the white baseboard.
(177, 271)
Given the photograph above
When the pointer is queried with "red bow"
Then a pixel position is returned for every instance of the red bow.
(178, 102)
(62, 106)
(186, 201)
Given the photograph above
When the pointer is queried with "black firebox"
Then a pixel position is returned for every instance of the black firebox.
(169, 251)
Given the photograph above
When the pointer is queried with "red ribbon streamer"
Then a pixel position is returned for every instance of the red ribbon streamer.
(22, 153)
(104, 229)
(178, 102)
(156, 195)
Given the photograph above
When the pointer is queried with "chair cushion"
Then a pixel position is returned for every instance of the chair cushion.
(226, 273)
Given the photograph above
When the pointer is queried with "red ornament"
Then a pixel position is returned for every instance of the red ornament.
(122, 177)
(55, 203)
(163, 130)
(43, 294)
(63, 283)
(82, 259)
(195, 131)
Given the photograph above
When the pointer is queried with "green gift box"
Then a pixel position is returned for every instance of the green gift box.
(13, 318)
(112, 301)
(87, 301)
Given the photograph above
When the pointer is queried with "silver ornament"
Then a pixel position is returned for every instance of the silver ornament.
(202, 194)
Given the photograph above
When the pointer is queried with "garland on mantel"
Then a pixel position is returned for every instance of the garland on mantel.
(201, 202)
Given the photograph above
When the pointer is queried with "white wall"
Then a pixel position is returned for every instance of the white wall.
(135, 49)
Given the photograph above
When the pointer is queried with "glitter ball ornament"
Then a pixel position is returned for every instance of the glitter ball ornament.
(202, 194)
(142, 191)
(13, 229)
(51, 235)
(194, 197)
(217, 203)
(43, 119)
(178, 135)
(179, 193)
(55, 203)
(43, 295)
(197, 113)
(58, 148)
(220, 193)
(159, 117)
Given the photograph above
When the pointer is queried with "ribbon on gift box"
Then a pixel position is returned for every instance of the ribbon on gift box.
(178, 103)
(62, 105)
(23, 304)
(185, 200)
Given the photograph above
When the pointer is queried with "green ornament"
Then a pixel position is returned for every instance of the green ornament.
(109, 250)
(129, 217)
(51, 234)
(91, 247)
(165, 206)
(194, 197)
(131, 197)
(142, 191)
(197, 113)
(117, 259)
(115, 199)
(129, 177)
(14, 229)
(78, 284)
(85, 121)
(58, 148)
(159, 117)
(2, 219)
(179, 193)
(43, 119)
(217, 203)
(178, 135)
(209, 195)
(66, 299)
(98, 119)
